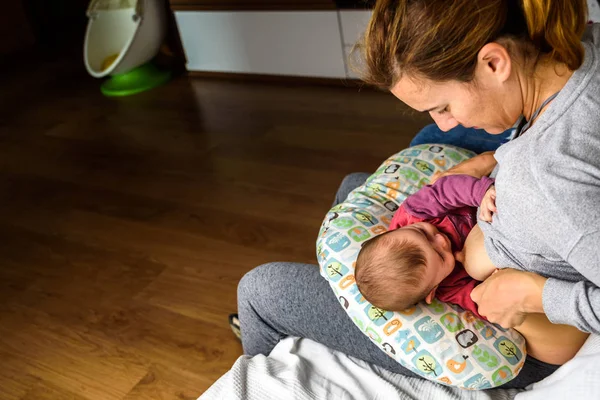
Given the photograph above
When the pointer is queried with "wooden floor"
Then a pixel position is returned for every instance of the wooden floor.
(125, 224)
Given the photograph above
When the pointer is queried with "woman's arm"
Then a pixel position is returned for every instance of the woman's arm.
(479, 166)
(577, 303)
(570, 184)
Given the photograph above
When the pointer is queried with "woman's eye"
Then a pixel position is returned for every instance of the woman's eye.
(444, 111)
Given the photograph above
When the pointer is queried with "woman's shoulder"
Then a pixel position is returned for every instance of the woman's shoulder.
(575, 112)
(586, 79)
(569, 149)
(592, 34)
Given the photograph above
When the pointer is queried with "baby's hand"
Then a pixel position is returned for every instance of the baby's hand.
(488, 205)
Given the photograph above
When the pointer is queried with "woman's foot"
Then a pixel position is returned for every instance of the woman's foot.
(234, 324)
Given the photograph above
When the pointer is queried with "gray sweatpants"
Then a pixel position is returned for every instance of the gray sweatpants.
(282, 299)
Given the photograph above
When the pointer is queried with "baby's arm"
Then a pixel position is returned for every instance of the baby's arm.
(447, 194)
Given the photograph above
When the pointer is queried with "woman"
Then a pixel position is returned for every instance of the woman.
(480, 63)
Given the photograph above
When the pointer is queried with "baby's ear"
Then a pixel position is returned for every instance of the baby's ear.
(431, 295)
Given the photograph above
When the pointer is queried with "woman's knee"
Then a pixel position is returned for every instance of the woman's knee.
(354, 180)
(349, 183)
(273, 282)
(260, 279)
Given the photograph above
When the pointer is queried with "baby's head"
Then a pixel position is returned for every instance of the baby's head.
(399, 268)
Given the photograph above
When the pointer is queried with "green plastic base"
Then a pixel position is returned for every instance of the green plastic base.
(140, 79)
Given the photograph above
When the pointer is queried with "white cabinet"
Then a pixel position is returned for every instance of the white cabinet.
(301, 43)
(353, 25)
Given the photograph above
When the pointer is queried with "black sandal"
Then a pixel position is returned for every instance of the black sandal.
(234, 324)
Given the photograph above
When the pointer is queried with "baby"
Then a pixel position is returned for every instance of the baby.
(418, 255)
(432, 236)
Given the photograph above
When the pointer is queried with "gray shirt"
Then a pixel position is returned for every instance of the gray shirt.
(548, 198)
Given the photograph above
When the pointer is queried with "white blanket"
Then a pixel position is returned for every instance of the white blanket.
(577, 379)
(302, 369)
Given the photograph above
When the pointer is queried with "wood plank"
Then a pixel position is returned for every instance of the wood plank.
(169, 338)
(15, 381)
(162, 383)
(71, 279)
(46, 391)
(74, 360)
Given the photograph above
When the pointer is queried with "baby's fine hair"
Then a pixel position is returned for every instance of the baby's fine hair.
(389, 271)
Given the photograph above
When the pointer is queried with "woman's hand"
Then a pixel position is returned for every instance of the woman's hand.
(478, 166)
(508, 295)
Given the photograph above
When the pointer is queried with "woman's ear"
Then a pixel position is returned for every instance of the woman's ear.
(493, 63)
(431, 295)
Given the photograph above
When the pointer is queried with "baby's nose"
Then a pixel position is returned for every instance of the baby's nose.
(442, 240)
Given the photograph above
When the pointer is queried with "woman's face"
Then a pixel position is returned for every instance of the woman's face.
(490, 105)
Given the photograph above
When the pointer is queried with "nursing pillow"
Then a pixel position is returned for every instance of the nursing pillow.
(438, 341)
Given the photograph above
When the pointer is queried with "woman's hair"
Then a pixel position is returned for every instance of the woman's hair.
(389, 272)
(440, 39)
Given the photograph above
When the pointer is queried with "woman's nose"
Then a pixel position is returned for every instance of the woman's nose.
(445, 123)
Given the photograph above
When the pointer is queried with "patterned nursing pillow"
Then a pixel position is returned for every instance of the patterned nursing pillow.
(439, 341)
